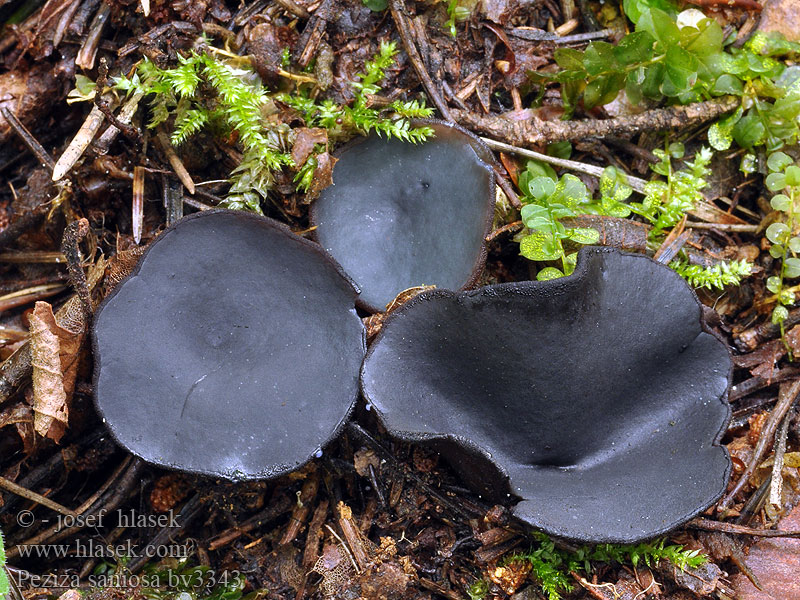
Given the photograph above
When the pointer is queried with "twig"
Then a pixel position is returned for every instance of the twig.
(573, 165)
(539, 35)
(79, 143)
(274, 510)
(88, 52)
(505, 228)
(109, 502)
(709, 525)
(31, 142)
(73, 234)
(12, 487)
(786, 398)
(507, 188)
(101, 103)
(536, 131)
(190, 510)
(776, 485)
(733, 227)
(174, 160)
(398, 10)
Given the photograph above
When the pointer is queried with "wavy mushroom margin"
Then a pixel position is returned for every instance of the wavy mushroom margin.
(571, 491)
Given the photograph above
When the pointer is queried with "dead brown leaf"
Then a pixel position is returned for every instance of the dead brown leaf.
(304, 142)
(776, 563)
(54, 356)
(323, 175)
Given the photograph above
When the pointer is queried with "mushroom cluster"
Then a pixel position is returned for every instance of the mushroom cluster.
(596, 401)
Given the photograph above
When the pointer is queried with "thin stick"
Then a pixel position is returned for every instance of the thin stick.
(573, 165)
(175, 161)
(12, 487)
(733, 227)
(31, 142)
(709, 525)
(79, 143)
(398, 10)
(786, 398)
(501, 230)
(776, 485)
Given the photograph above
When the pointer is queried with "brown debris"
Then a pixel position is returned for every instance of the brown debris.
(54, 358)
(776, 563)
(29, 94)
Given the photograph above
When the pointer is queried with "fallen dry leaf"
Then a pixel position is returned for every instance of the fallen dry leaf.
(54, 356)
(776, 564)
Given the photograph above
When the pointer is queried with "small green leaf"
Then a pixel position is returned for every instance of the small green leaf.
(774, 284)
(781, 202)
(794, 244)
(776, 251)
(549, 273)
(777, 233)
(792, 267)
(541, 187)
(661, 26)
(634, 8)
(376, 5)
(727, 84)
(599, 58)
(775, 182)
(560, 149)
(603, 90)
(676, 150)
(540, 246)
(778, 161)
(681, 67)
(720, 134)
(583, 235)
(792, 175)
(749, 131)
(536, 216)
(636, 47)
(569, 59)
(779, 314)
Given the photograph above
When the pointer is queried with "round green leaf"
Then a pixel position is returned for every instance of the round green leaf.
(540, 246)
(778, 161)
(777, 233)
(775, 182)
(776, 251)
(793, 175)
(583, 235)
(727, 84)
(779, 314)
(794, 244)
(774, 284)
(781, 202)
(541, 187)
(549, 273)
(792, 267)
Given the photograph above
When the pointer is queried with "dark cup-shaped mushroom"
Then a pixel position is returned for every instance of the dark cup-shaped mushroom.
(400, 215)
(233, 349)
(597, 400)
